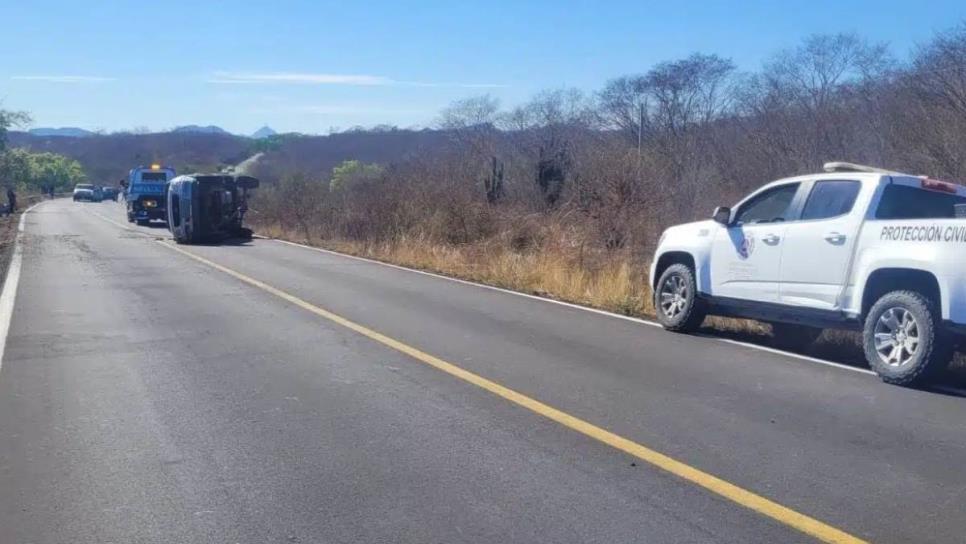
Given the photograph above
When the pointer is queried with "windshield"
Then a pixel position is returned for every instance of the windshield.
(84, 186)
(154, 176)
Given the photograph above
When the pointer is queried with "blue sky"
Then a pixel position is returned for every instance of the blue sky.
(312, 65)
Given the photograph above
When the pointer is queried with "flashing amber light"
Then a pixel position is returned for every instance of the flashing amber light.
(155, 167)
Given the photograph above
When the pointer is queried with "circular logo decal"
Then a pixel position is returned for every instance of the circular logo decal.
(747, 246)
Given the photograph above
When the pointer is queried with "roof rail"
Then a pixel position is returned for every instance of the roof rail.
(839, 166)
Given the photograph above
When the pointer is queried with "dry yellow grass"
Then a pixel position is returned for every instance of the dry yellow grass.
(611, 282)
(559, 270)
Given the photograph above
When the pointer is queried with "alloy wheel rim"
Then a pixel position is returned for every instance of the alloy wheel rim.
(673, 296)
(896, 337)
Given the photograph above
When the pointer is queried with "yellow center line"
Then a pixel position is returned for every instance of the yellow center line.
(732, 492)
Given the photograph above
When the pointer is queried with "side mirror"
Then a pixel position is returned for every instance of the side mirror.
(722, 215)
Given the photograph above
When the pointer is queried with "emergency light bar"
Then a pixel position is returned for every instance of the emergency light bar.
(839, 166)
(927, 183)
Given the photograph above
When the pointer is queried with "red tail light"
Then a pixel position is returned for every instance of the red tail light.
(941, 186)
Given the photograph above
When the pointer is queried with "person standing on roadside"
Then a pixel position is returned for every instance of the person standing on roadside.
(11, 200)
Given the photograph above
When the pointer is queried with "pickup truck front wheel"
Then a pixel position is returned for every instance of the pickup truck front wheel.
(903, 341)
(676, 303)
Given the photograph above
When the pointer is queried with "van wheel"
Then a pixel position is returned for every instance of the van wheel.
(903, 341)
(676, 303)
(793, 337)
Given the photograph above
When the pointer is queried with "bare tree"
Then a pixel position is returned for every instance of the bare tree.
(805, 103)
(472, 122)
(927, 109)
(672, 98)
(545, 131)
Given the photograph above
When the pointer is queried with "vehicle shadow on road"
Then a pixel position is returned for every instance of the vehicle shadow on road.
(235, 242)
(844, 347)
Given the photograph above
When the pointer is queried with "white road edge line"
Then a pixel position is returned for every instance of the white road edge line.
(797, 356)
(638, 320)
(6, 300)
(472, 283)
(9, 294)
(749, 345)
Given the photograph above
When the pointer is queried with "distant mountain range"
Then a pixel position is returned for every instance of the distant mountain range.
(76, 132)
(210, 129)
(264, 132)
(62, 131)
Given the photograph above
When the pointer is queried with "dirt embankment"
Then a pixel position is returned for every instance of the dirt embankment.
(8, 233)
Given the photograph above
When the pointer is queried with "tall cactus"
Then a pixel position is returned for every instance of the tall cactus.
(493, 182)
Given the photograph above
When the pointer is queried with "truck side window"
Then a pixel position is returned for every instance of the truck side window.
(769, 206)
(831, 199)
(905, 202)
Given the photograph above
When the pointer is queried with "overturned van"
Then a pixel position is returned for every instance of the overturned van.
(208, 207)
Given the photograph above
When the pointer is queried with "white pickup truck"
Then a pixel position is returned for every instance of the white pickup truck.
(855, 247)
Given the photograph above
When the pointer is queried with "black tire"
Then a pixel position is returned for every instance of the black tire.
(688, 311)
(934, 348)
(130, 218)
(793, 337)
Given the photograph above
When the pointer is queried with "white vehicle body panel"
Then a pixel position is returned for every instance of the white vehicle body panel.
(936, 246)
(817, 254)
(824, 264)
(746, 262)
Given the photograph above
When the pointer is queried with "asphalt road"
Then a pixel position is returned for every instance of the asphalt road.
(149, 397)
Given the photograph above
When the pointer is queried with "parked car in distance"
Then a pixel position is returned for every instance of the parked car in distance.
(87, 192)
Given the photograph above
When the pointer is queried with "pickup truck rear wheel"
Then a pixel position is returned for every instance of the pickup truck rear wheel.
(676, 303)
(793, 337)
(903, 340)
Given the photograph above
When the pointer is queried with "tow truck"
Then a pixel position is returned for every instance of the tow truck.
(146, 193)
(854, 247)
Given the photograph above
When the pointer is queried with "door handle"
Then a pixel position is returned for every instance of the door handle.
(834, 238)
(771, 239)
